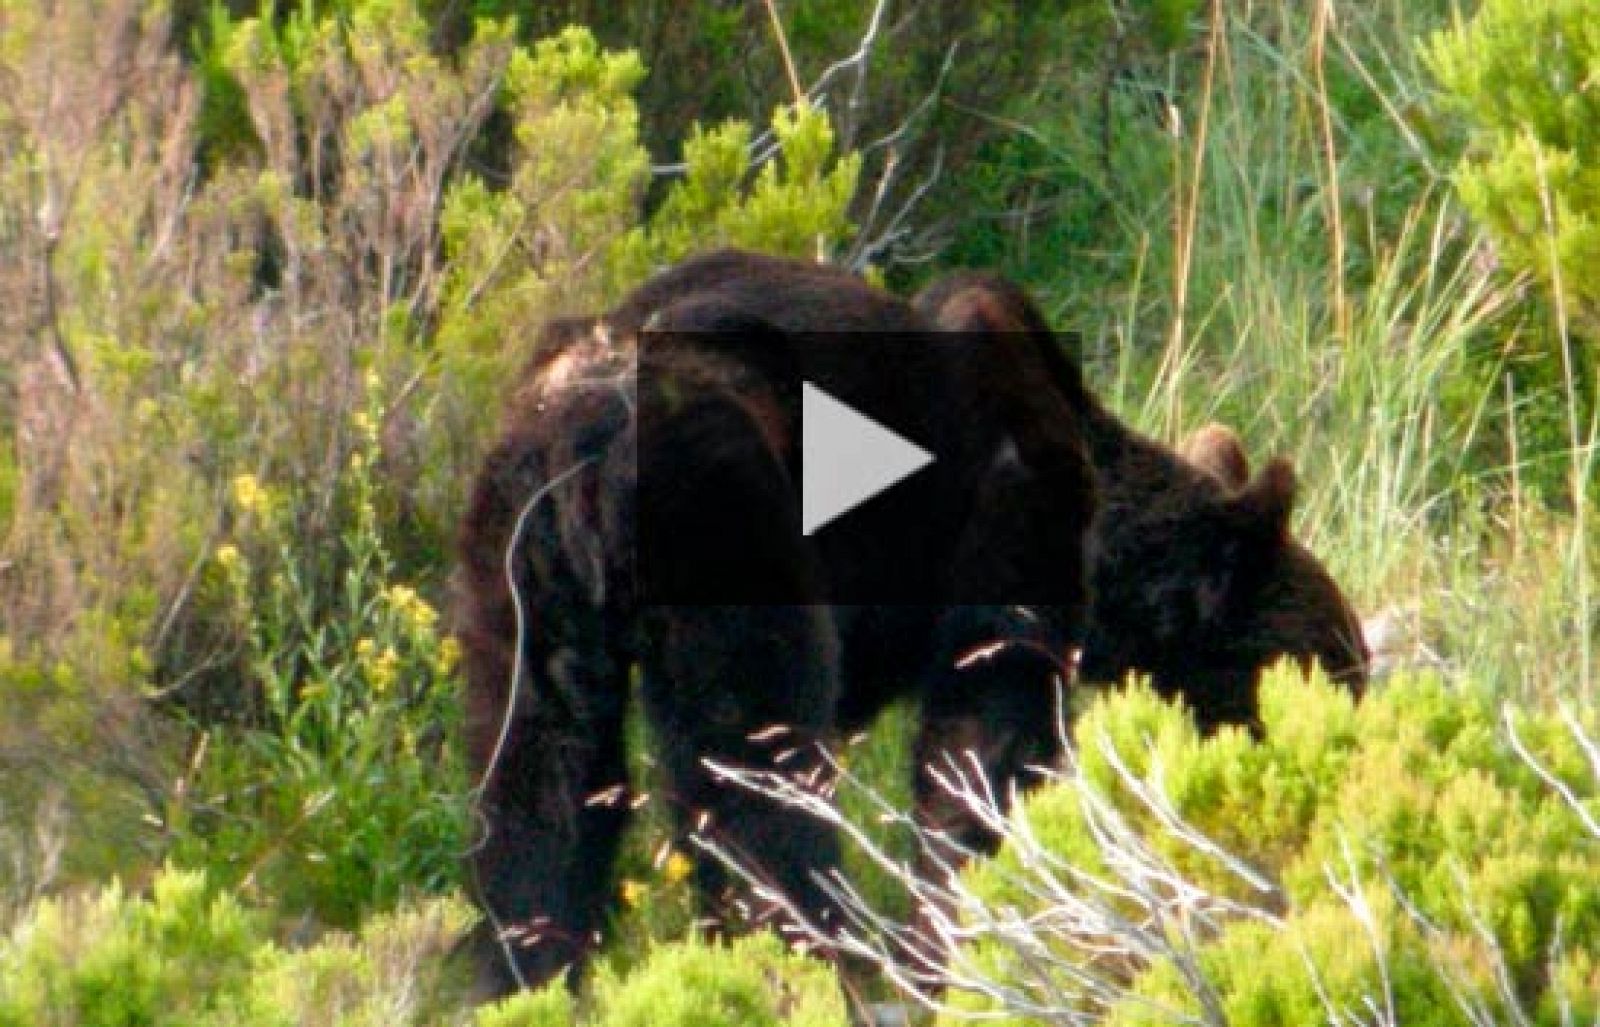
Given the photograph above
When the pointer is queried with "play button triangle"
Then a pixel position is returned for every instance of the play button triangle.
(846, 458)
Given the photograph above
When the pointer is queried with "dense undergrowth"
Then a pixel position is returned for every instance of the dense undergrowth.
(263, 285)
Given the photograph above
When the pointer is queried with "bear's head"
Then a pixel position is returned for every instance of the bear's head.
(1197, 580)
(1201, 586)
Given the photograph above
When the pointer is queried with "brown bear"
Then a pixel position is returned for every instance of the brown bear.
(1195, 578)
(641, 509)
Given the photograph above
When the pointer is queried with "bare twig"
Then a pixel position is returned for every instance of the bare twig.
(1560, 787)
(783, 51)
(1085, 934)
(1319, 34)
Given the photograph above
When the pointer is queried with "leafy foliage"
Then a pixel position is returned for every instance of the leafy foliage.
(1420, 853)
(753, 981)
(346, 789)
(1519, 78)
(186, 954)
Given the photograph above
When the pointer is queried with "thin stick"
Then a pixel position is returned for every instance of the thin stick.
(788, 58)
(1189, 214)
(1330, 156)
(800, 99)
(1581, 457)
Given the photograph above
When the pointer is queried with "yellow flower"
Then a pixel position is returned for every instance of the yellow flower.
(228, 558)
(380, 667)
(419, 616)
(633, 892)
(677, 868)
(250, 497)
(449, 657)
(367, 422)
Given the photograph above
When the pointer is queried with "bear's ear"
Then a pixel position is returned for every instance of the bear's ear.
(974, 301)
(1018, 365)
(1262, 507)
(1256, 525)
(1216, 450)
(978, 309)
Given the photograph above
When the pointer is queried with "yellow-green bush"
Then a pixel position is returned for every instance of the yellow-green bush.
(188, 954)
(1521, 76)
(752, 982)
(1412, 853)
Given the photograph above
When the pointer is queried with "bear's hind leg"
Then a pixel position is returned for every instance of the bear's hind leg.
(751, 688)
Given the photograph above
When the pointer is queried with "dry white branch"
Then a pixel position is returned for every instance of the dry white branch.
(1560, 787)
(1078, 936)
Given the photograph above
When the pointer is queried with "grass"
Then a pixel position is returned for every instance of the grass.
(1337, 306)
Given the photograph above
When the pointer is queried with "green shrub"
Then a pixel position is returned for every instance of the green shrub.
(188, 954)
(1520, 78)
(752, 982)
(345, 789)
(396, 969)
(1411, 853)
(794, 205)
(111, 958)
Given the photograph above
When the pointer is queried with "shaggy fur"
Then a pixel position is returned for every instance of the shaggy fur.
(588, 517)
(1196, 580)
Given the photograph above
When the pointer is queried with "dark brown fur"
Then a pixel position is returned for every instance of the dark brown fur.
(758, 685)
(1196, 579)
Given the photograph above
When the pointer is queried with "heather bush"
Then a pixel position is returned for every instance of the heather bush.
(186, 953)
(751, 982)
(1425, 854)
(1517, 80)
